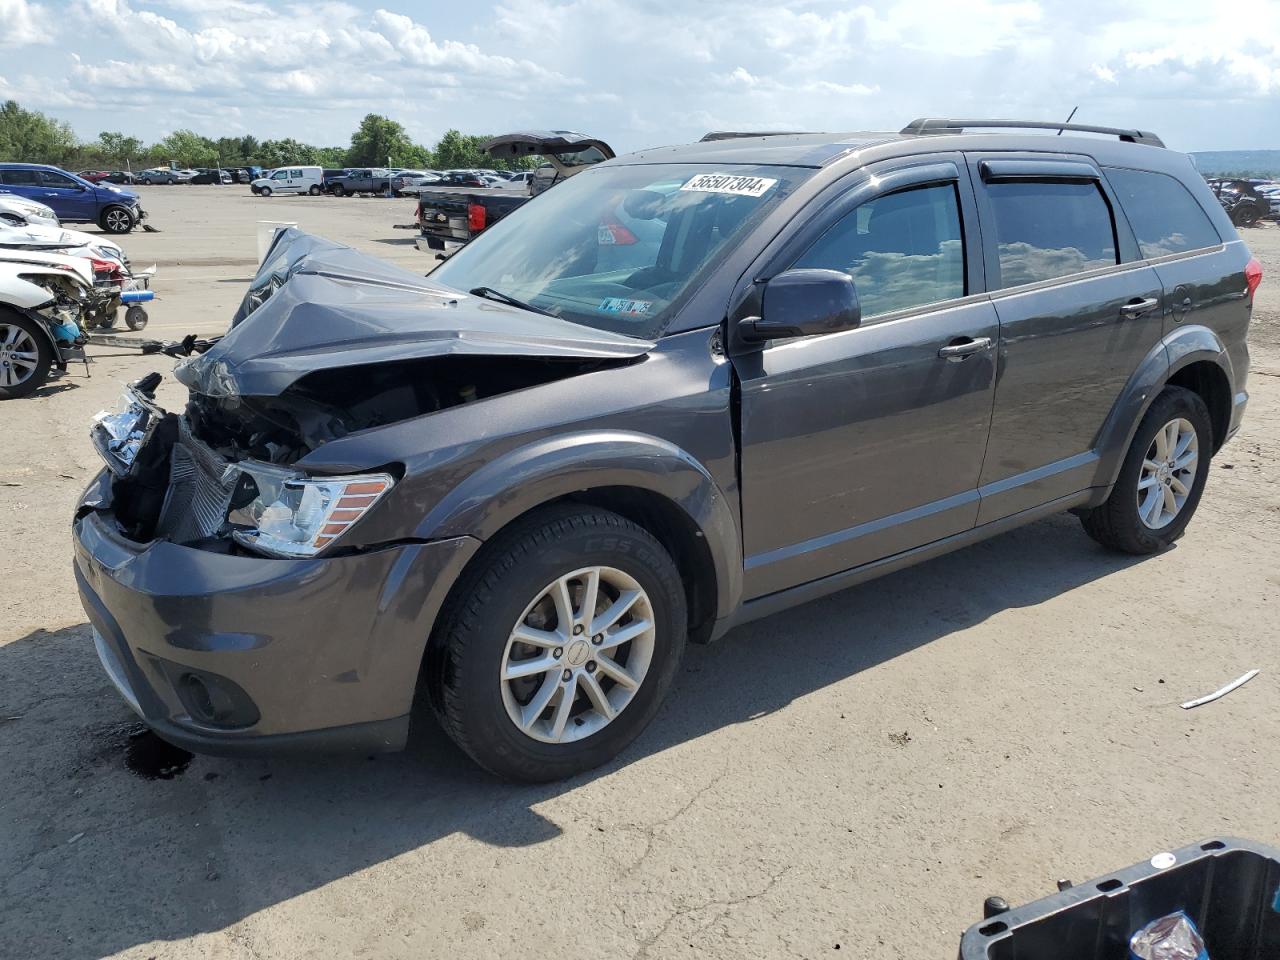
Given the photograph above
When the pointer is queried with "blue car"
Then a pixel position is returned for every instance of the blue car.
(73, 199)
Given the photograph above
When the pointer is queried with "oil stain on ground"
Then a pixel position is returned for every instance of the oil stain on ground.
(151, 758)
(145, 755)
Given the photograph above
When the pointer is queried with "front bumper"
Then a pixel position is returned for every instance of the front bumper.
(231, 654)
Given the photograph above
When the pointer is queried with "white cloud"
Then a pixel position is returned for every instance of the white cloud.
(23, 23)
(640, 72)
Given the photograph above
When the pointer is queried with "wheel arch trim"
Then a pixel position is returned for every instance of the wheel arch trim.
(1179, 349)
(557, 467)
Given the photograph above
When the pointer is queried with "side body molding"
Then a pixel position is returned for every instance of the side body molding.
(553, 467)
(1180, 348)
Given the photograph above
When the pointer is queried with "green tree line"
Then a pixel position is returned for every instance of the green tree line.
(32, 137)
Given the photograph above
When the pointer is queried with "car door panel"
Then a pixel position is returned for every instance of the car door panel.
(23, 183)
(1069, 343)
(865, 443)
(1199, 267)
(862, 444)
(70, 200)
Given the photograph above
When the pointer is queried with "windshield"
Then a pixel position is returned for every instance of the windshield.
(618, 248)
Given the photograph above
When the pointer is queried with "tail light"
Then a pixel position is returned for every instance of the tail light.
(476, 217)
(1252, 276)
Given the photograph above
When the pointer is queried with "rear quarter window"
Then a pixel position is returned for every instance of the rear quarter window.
(1046, 230)
(1164, 215)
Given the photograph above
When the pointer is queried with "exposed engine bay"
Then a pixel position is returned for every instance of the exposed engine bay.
(328, 342)
(330, 404)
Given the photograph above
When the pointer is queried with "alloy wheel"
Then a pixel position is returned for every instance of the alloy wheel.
(117, 221)
(578, 655)
(19, 355)
(1168, 473)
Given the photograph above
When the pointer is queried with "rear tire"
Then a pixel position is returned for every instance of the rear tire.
(25, 356)
(337, 190)
(1123, 522)
(315, 190)
(512, 583)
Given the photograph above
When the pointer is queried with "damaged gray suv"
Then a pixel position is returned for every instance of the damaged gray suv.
(690, 387)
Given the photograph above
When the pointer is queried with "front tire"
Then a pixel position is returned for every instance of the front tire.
(25, 356)
(116, 220)
(337, 190)
(264, 191)
(1161, 479)
(559, 646)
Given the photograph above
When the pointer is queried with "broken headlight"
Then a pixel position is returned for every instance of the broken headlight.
(281, 513)
(119, 436)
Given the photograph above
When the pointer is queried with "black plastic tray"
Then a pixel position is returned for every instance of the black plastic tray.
(1229, 887)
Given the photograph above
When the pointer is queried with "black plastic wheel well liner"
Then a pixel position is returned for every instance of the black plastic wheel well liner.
(1208, 380)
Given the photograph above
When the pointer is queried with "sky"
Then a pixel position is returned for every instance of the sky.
(640, 73)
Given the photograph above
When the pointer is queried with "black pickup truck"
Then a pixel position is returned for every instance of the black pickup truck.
(449, 218)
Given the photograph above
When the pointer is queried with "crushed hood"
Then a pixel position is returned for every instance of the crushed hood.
(316, 304)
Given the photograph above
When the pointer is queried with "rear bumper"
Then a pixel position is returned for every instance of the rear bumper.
(1239, 403)
(232, 654)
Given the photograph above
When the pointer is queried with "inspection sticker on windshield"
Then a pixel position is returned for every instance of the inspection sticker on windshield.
(618, 305)
(730, 183)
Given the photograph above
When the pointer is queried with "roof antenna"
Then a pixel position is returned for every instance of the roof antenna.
(1069, 116)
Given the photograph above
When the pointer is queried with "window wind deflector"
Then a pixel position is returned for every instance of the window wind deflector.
(920, 175)
(1065, 171)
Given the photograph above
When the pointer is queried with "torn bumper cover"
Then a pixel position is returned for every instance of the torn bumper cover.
(235, 654)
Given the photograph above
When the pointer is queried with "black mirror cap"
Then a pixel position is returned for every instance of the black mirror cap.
(805, 303)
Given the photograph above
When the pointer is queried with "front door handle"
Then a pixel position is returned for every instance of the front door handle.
(1136, 308)
(962, 347)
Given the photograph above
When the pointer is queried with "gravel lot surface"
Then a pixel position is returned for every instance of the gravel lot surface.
(853, 776)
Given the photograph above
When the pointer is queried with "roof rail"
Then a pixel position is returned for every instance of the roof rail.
(739, 134)
(955, 126)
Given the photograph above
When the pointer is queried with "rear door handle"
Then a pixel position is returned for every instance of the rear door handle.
(1136, 308)
(963, 347)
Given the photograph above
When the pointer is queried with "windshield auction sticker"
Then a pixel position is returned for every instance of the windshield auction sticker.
(630, 307)
(729, 183)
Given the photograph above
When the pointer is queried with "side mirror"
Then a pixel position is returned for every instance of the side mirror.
(804, 303)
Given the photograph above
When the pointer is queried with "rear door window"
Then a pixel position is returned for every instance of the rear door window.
(1162, 212)
(1046, 230)
(902, 250)
(20, 178)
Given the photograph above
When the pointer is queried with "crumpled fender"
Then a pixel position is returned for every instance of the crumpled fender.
(553, 467)
(1180, 348)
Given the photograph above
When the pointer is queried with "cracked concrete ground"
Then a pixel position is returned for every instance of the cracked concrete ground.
(853, 776)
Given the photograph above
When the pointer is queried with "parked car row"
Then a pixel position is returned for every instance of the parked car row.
(314, 180)
(161, 176)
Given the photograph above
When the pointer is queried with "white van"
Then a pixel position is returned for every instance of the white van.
(290, 180)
